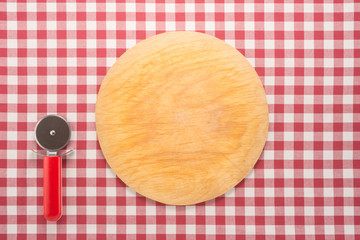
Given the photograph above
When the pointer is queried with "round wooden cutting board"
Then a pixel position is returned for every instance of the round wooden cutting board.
(181, 117)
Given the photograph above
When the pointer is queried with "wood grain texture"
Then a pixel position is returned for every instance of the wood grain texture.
(181, 117)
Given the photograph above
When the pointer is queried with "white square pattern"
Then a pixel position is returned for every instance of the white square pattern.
(295, 47)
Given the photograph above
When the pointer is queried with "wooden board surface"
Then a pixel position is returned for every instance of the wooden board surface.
(181, 117)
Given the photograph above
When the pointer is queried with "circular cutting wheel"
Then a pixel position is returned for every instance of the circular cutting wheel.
(181, 117)
(52, 132)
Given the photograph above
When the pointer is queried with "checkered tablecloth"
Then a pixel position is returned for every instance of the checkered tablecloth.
(306, 185)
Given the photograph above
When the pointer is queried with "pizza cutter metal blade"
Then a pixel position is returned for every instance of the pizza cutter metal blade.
(52, 133)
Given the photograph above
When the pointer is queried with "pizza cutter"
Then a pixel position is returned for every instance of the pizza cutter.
(52, 133)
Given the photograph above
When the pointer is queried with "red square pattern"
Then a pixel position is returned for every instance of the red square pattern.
(306, 184)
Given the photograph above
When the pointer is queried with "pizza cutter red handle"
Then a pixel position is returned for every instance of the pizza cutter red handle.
(52, 188)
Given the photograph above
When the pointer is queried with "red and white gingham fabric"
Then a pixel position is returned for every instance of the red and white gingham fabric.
(306, 185)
